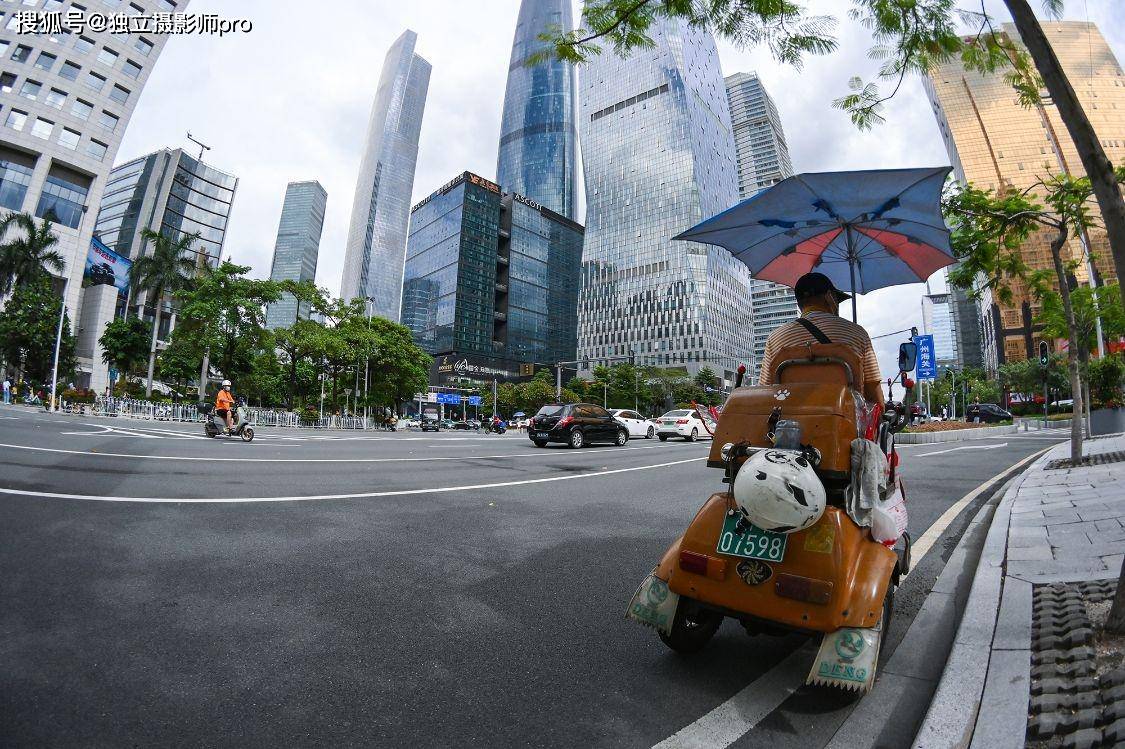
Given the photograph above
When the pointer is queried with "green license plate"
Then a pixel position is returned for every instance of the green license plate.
(755, 544)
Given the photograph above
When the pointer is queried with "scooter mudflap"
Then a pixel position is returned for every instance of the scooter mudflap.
(654, 605)
(847, 659)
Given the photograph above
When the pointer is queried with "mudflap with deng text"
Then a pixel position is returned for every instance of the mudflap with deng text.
(654, 605)
(847, 658)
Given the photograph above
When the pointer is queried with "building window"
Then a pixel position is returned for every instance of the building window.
(83, 44)
(13, 22)
(95, 81)
(52, 5)
(131, 69)
(70, 71)
(14, 179)
(137, 9)
(108, 120)
(112, 3)
(97, 149)
(69, 138)
(56, 98)
(81, 109)
(107, 56)
(42, 128)
(30, 89)
(119, 94)
(46, 61)
(3, 47)
(142, 45)
(61, 200)
(16, 119)
(21, 53)
(7, 82)
(167, 5)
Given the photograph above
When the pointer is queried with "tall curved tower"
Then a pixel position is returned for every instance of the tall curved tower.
(537, 132)
(376, 250)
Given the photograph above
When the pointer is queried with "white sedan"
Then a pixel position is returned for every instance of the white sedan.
(683, 423)
(637, 425)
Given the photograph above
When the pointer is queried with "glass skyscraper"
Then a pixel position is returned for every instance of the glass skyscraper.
(376, 248)
(491, 274)
(658, 157)
(297, 247)
(763, 160)
(537, 132)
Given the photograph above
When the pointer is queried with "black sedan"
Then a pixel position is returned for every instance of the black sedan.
(986, 413)
(576, 425)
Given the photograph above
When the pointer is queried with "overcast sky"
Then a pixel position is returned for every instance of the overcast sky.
(290, 101)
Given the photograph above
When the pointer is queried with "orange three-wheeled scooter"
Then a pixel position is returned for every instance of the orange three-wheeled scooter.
(831, 577)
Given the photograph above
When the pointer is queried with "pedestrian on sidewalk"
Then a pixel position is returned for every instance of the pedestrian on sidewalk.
(7, 391)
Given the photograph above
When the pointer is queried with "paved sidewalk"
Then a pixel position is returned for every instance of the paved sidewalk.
(1027, 667)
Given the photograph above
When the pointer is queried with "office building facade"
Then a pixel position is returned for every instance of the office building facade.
(66, 97)
(538, 153)
(376, 249)
(297, 248)
(763, 160)
(492, 276)
(173, 193)
(658, 157)
(995, 143)
(938, 321)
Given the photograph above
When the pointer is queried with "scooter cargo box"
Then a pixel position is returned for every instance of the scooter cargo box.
(826, 413)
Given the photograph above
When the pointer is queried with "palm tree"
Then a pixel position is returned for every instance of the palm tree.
(168, 268)
(27, 258)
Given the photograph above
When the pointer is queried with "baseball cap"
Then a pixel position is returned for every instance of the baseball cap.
(815, 284)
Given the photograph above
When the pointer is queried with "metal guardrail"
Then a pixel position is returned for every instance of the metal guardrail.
(135, 408)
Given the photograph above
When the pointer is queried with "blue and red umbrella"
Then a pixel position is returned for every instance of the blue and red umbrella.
(865, 230)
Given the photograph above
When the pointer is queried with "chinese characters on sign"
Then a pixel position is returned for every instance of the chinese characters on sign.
(926, 362)
(77, 21)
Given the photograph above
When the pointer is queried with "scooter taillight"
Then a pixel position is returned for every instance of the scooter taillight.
(690, 561)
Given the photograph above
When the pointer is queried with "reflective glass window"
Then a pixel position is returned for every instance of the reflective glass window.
(83, 44)
(7, 81)
(81, 109)
(45, 61)
(142, 45)
(21, 53)
(14, 179)
(42, 128)
(69, 138)
(108, 120)
(61, 201)
(30, 89)
(119, 94)
(94, 81)
(16, 119)
(97, 149)
(70, 71)
(131, 69)
(56, 98)
(107, 56)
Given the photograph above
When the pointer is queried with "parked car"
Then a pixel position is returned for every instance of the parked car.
(470, 424)
(431, 423)
(409, 423)
(447, 423)
(686, 423)
(986, 413)
(575, 424)
(637, 425)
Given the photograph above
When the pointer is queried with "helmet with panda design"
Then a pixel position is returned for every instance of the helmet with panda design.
(779, 491)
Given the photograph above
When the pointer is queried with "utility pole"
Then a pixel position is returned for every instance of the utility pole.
(558, 381)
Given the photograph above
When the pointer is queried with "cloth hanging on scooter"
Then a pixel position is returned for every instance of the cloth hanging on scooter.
(868, 487)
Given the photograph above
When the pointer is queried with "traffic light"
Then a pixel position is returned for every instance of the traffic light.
(1044, 356)
(527, 370)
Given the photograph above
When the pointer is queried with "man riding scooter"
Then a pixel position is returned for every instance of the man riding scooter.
(224, 404)
(820, 322)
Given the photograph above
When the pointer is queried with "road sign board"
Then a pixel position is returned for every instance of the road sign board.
(474, 400)
(451, 399)
(925, 362)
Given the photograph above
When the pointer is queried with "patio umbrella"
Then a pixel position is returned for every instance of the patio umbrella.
(518, 414)
(865, 230)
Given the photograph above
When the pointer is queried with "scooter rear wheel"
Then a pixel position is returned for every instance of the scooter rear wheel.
(247, 434)
(693, 627)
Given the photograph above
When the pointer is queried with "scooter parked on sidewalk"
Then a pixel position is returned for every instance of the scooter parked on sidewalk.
(804, 536)
(214, 425)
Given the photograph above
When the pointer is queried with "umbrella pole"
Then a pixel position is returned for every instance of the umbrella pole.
(851, 267)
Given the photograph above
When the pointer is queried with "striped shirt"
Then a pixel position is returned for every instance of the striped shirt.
(836, 328)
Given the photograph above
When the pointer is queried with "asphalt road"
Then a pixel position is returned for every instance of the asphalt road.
(316, 588)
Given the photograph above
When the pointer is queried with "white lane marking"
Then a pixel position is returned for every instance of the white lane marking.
(731, 720)
(358, 495)
(964, 447)
(735, 718)
(924, 542)
(540, 453)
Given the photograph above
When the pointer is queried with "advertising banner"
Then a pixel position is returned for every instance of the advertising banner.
(104, 266)
(926, 361)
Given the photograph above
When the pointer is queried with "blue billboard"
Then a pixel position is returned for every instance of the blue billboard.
(925, 362)
(474, 400)
(104, 266)
(452, 399)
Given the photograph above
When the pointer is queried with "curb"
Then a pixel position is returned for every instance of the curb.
(982, 697)
(953, 435)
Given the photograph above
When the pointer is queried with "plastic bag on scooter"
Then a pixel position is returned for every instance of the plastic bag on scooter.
(889, 517)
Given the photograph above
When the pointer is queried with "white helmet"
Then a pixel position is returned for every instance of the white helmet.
(780, 491)
(226, 383)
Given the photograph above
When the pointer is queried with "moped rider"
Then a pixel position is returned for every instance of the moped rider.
(820, 322)
(224, 403)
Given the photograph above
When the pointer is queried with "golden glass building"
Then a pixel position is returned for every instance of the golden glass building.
(994, 142)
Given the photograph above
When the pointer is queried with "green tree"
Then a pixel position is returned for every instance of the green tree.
(27, 258)
(125, 344)
(397, 368)
(165, 270)
(266, 380)
(179, 361)
(28, 324)
(909, 36)
(988, 230)
(1089, 305)
(300, 343)
(1107, 378)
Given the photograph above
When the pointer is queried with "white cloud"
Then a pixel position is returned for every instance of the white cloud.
(290, 100)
